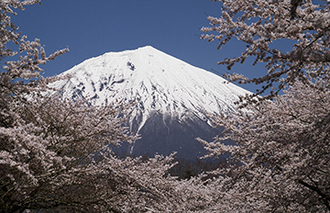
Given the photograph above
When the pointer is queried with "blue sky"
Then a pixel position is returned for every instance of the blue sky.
(91, 28)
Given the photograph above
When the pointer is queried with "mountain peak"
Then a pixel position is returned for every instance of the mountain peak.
(141, 50)
(148, 47)
(147, 50)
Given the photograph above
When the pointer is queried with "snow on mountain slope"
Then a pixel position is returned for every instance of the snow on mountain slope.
(158, 82)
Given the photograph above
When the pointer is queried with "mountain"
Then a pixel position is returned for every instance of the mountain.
(172, 97)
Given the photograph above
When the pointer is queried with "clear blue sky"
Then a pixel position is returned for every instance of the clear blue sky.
(91, 28)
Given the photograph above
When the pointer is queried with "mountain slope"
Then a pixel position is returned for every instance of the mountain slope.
(172, 96)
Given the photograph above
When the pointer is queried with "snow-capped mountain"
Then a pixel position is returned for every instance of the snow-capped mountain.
(172, 96)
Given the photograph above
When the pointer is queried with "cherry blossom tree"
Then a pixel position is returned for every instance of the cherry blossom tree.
(283, 152)
(280, 162)
(261, 26)
(54, 153)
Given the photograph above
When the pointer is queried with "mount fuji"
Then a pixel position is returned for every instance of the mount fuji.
(172, 97)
